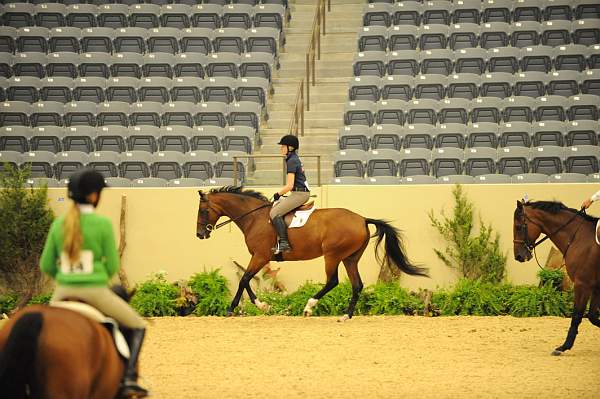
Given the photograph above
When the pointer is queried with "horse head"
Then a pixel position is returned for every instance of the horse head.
(207, 217)
(524, 234)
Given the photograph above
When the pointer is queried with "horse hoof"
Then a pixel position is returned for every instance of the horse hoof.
(262, 306)
(556, 352)
(229, 313)
(307, 313)
(343, 318)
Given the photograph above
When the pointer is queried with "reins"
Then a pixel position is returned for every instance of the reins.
(241, 216)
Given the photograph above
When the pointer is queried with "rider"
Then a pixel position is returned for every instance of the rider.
(297, 187)
(80, 254)
(588, 202)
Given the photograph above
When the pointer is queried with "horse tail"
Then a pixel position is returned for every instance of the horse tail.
(395, 254)
(17, 359)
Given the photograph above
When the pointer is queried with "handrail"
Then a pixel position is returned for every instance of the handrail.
(298, 113)
(319, 26)
(314, 46)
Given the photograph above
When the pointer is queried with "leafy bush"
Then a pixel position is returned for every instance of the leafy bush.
(390, 299)
(25, 218)
(213, 293)
(473, 298)
(474, 256)
(41, 299)
(7, 303)
(553, 277)
(155, 297)
(527, 301)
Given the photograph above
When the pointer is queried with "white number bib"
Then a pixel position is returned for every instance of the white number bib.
(85, 264)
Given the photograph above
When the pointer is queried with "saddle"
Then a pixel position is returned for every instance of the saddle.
(289, 217)
(94, 314)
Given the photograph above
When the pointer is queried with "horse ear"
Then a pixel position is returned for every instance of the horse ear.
(519, 205)
(201, 194)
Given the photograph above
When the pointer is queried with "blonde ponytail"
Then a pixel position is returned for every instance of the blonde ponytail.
(73, 239)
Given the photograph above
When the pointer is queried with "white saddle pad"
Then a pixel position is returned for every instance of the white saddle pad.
(301, 217)
(596, 235)
(94, 314)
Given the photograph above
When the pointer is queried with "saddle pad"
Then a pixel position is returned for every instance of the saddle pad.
(94, 314)
(301, 217)
(596, 235)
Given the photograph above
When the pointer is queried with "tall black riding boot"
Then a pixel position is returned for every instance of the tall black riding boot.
(283, 244)
(130, 387)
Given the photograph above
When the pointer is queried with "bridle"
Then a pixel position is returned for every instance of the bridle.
(523, 230)
(204, 214)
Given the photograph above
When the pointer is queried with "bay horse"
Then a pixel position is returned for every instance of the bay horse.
(337, 234)
(56, 353)
(573, 233)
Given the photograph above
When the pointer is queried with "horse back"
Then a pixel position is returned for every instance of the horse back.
(76, 357)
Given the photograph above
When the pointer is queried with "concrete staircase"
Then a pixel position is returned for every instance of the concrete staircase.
(327, 98)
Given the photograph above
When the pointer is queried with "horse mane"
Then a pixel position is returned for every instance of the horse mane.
(240, 191)
(555, 206)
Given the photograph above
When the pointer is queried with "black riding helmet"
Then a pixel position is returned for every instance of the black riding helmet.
(289, 140)
(84, 182)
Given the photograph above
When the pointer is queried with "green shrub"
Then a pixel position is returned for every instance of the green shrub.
(476, 257)
(473, 298)
(554, 277)
(391, 299)
(213, 293)
(296, 301)
(155, 297)
(41, 299)
(528, 301)
(25, 218)
(7, 303)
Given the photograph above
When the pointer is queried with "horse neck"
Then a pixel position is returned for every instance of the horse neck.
(235, 205)
(551, 222)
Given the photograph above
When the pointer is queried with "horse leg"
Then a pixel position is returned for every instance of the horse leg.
(357, 285)
(331, 269)
(256, 263)
(595, 308)
(582, 295)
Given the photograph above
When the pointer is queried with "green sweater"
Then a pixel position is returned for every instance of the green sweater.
(97, 237)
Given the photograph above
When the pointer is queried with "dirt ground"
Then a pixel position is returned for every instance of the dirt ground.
(369, 357)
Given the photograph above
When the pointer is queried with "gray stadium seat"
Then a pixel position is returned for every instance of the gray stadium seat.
(582, 132)
(418, 135)
(146, 113)
(456, 179)
(531, 84)
(383, 162)
(386, 136)
(89, 89)
(567, 178)
(383, 180)
(447, 161)
(167, 165)
(480, 161)
(135, 164)
(515, 134)
(493, 179)
(450, 135)
(105, 162)
(47, 138)
(463, 85)
(199, 165)
(527, 178)
(513, 160)
(354, 137)
(348, 180)
(482, 134)
(415, 162)
(399, 62)
(111, 138)
(418, 179)
(15, 138)
(582, 159)
(370, 63)
(547, 160)
(118, 182)
(68, 162)
(549, 133)
(175, 138)
(518, 109)
(186, 182)
(349, 163)
(41, 163)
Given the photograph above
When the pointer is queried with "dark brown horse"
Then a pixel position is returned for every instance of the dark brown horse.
(573, 233)
(338, 235)
(55, 353)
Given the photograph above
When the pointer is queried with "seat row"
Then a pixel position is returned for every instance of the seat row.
(475, 11)
(511, 134)
(123, 182)
(164, 2)
(489, 35)
(131, 90)
(120, 139)
(477, 60)
(547, 160)
(180, 16)
(496, 178)
(135, 65)
(140, 40)
(481, 109)
(564, 83)
(131, 165)
(181, 113)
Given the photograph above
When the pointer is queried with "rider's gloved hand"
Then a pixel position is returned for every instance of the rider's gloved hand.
(276, 196)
